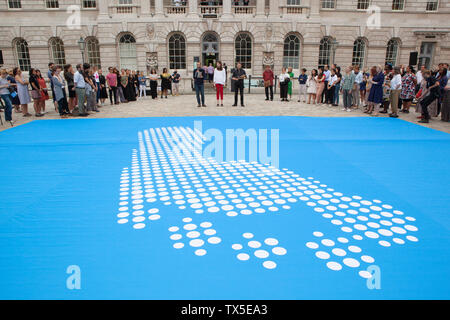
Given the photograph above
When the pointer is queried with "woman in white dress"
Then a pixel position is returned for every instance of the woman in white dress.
(312, 86)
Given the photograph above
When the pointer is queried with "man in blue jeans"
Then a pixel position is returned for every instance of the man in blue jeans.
(4, 93)
(199, 78)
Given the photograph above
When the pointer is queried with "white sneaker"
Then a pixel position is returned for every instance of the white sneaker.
(344, 109)
(349, 110)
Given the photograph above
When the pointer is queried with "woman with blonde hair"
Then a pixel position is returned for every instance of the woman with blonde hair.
(320, 80)
(22, 91)
(376, 91)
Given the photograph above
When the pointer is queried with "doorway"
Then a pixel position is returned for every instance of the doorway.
(210, 49)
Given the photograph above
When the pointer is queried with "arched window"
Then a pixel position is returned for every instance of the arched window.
(359, 52)
(57, 54)
(22, 54)
(325, 51)
(93, 52)
(392, 52)
(291, 52)
(243, 47)
(177, 51)
(127, 52)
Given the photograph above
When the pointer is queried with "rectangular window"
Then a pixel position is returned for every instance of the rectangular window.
(363, 4)
(89, 4)
(52, 4)
(328, 4)
(432, 5)
(398, 5)
(14, 4)
(293, 2)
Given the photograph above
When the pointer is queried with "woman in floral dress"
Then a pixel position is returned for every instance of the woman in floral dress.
(409, 82)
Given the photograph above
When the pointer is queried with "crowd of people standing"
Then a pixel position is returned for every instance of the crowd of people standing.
(76, 92)
(376, 89)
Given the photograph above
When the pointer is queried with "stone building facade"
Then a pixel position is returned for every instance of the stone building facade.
(140, 34)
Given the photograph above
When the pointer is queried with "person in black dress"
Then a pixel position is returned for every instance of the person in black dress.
(130, 88)
(103, 92)
(153, 83)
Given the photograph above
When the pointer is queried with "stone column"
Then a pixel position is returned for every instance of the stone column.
(145, 7)
(159, 7)
(260, 7)
(275, 7)
(193, 7)
(314, 7)
(103, 7)
(226, 7)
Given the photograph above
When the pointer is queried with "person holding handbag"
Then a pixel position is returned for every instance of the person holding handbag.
(268, 82)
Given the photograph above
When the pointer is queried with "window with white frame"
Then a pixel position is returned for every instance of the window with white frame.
(52, 4)
(243, 50)
(93, 52)
(14, 4)
(57, 53)
(22, 54)
(293, 2)
(127, 52)
(177, 51)
(392, 52)
(87, 4)
(363, 4)
(328, 4)
(359, 52)
(325, 51)
(398, 5)
(291, 52)
(432, 5)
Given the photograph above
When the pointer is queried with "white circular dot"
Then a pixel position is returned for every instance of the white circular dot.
(261, 254)
(322, 255)
(248, 235)
(328, 242)
(254, 244)
(312, 245)
(279, 251)
(367, 259)
(384, 243)
(178, 245)
(236, 246)
(196, 243)
(350, 262)
(214, 240)
(243, 256)
(271, 241)
(339, 252)
(334, 266)
(193, 234)
(269, 264)
(200, 252)
(190, 226)
(365, 274)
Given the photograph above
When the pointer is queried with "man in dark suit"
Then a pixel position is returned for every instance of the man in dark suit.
(199, 78)
(238, 76)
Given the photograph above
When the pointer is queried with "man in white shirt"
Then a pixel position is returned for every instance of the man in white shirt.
(419, 76)
(80, 88)
(325, 93)
(356, 86)
(396, 88)
(97, 82)
(331, 89)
